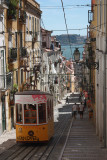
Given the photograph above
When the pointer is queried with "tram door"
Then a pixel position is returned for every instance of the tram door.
(12, 117)
(3, 114)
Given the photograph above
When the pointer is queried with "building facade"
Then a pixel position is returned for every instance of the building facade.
(20, 49)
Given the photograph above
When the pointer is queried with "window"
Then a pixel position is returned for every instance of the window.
(16, 39)
(21, 75)
(29, 23)
(17, 77)
(35, 25)
(1, 24)
(42, 112)
(38, 25)
(19, 113)
(30, 116)
(21, 42)
(52, 108)
(48, 109)
(10, 41)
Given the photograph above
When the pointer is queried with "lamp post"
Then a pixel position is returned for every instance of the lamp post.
(88, 63)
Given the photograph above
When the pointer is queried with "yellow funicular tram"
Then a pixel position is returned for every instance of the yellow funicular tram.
(34, 116)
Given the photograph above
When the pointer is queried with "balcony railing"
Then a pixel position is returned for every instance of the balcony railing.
(6, 81)
(22, 16)
(23, 52)
(12, 55)
(90, 16)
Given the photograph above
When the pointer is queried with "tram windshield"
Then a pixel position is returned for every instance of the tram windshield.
(42, 112)
(30, 116)
(19, 113)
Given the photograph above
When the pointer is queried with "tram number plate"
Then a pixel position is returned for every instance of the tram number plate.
(28, 138)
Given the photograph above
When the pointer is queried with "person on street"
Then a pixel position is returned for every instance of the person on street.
(81, 110)
(67, 100)
(74, 110)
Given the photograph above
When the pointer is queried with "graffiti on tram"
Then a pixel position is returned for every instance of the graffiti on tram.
(28, 138)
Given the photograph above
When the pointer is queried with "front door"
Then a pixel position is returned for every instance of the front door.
(3, 114)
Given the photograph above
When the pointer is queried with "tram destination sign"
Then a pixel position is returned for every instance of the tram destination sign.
(30, 99)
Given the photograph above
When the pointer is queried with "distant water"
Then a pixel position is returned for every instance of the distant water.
(67, 52)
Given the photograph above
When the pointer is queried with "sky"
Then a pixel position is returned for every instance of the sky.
(76, 16)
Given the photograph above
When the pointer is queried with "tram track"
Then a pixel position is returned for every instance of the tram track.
(38, 151)
(50, 148)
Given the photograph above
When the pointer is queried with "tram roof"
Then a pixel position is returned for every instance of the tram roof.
(33, 92)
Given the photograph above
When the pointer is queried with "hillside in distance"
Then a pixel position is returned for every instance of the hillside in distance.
(74, 39)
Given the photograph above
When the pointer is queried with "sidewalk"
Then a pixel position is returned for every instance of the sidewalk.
(7, 135)
(83, 143)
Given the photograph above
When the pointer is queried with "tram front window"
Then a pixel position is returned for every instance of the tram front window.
(18, 113)
(30, 114)
(42, 112)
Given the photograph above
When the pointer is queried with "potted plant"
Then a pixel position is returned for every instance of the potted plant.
(12, 93)
(12, 9)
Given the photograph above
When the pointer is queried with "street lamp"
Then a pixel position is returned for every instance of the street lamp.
(76, 55)
(88, 63)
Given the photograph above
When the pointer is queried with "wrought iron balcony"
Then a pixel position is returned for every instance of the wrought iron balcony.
(90, 16)
(12, 55)
(23, 52)
(22, 16)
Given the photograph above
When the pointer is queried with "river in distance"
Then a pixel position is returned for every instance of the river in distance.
(68, 53)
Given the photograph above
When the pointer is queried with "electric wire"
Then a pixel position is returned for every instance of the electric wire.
(82, 5)
(61, 29)
(66, 26)
(42, 23)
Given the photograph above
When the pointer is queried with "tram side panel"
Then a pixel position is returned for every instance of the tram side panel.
(31, 133)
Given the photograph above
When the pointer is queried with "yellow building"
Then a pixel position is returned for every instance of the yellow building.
(92, 17)
(22, 41)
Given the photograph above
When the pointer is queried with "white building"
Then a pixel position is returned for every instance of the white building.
(2, 69)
